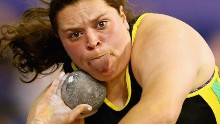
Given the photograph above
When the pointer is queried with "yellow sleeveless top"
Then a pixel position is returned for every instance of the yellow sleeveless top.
(210, 92)
(128, 81)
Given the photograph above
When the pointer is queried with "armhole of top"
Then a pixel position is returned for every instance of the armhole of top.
(135, 27)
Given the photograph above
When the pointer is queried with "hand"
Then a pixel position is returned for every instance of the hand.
(52, 110)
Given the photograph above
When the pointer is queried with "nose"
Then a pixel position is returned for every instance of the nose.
(92, 40)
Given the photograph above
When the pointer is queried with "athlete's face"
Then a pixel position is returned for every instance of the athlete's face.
(96, 37)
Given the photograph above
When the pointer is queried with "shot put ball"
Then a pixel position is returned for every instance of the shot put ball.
(81, 88)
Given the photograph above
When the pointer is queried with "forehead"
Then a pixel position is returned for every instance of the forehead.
(89, 7)
(82, 11)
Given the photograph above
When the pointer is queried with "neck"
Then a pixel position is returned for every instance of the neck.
(117, 90)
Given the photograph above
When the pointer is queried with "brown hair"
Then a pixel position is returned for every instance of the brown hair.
(34, 41)
(57, 5)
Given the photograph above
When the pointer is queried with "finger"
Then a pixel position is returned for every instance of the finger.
(84, 115)
(54, 86)
(61, 84)
(82, 108)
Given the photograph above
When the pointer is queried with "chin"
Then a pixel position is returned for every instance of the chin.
(104, 75)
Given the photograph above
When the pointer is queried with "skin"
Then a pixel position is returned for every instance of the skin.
(174, 60)
(49, 108)
(95, 41)
(101, 45)
(169, 59)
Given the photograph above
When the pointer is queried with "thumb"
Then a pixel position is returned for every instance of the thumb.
(78, 111)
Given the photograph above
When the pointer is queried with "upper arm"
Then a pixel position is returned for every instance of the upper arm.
(165, 61)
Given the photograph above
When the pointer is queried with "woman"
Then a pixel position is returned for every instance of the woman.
(161, 72)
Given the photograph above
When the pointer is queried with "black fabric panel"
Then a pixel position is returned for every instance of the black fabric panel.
(195, 110)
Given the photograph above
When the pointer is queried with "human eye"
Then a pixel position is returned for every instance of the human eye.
(101, 24)
(74, 35)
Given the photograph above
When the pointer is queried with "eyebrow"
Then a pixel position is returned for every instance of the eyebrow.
(97, 18)
(93, 20)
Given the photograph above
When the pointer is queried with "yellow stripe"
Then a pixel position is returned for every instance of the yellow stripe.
(209, 96)
(133, 34)
(135, 27)
(73, 66)
(111, 105)
(128, 81)
(216, 76)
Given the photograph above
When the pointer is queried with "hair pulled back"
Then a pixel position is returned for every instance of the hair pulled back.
(34, 41)
(34, 44)
(57, 5)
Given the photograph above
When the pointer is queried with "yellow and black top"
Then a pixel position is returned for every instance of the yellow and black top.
(202, 106)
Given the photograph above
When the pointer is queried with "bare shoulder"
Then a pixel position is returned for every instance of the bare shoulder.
(163, 42)
(160, 23)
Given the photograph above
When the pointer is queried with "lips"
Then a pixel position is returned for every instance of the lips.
(101, 63)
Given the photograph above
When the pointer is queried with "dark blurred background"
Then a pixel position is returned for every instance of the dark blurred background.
(17, 97)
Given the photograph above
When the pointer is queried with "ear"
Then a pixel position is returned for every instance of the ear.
(123, 16)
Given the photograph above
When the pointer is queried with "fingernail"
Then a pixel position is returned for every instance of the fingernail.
(61, 74)
(89, 108)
